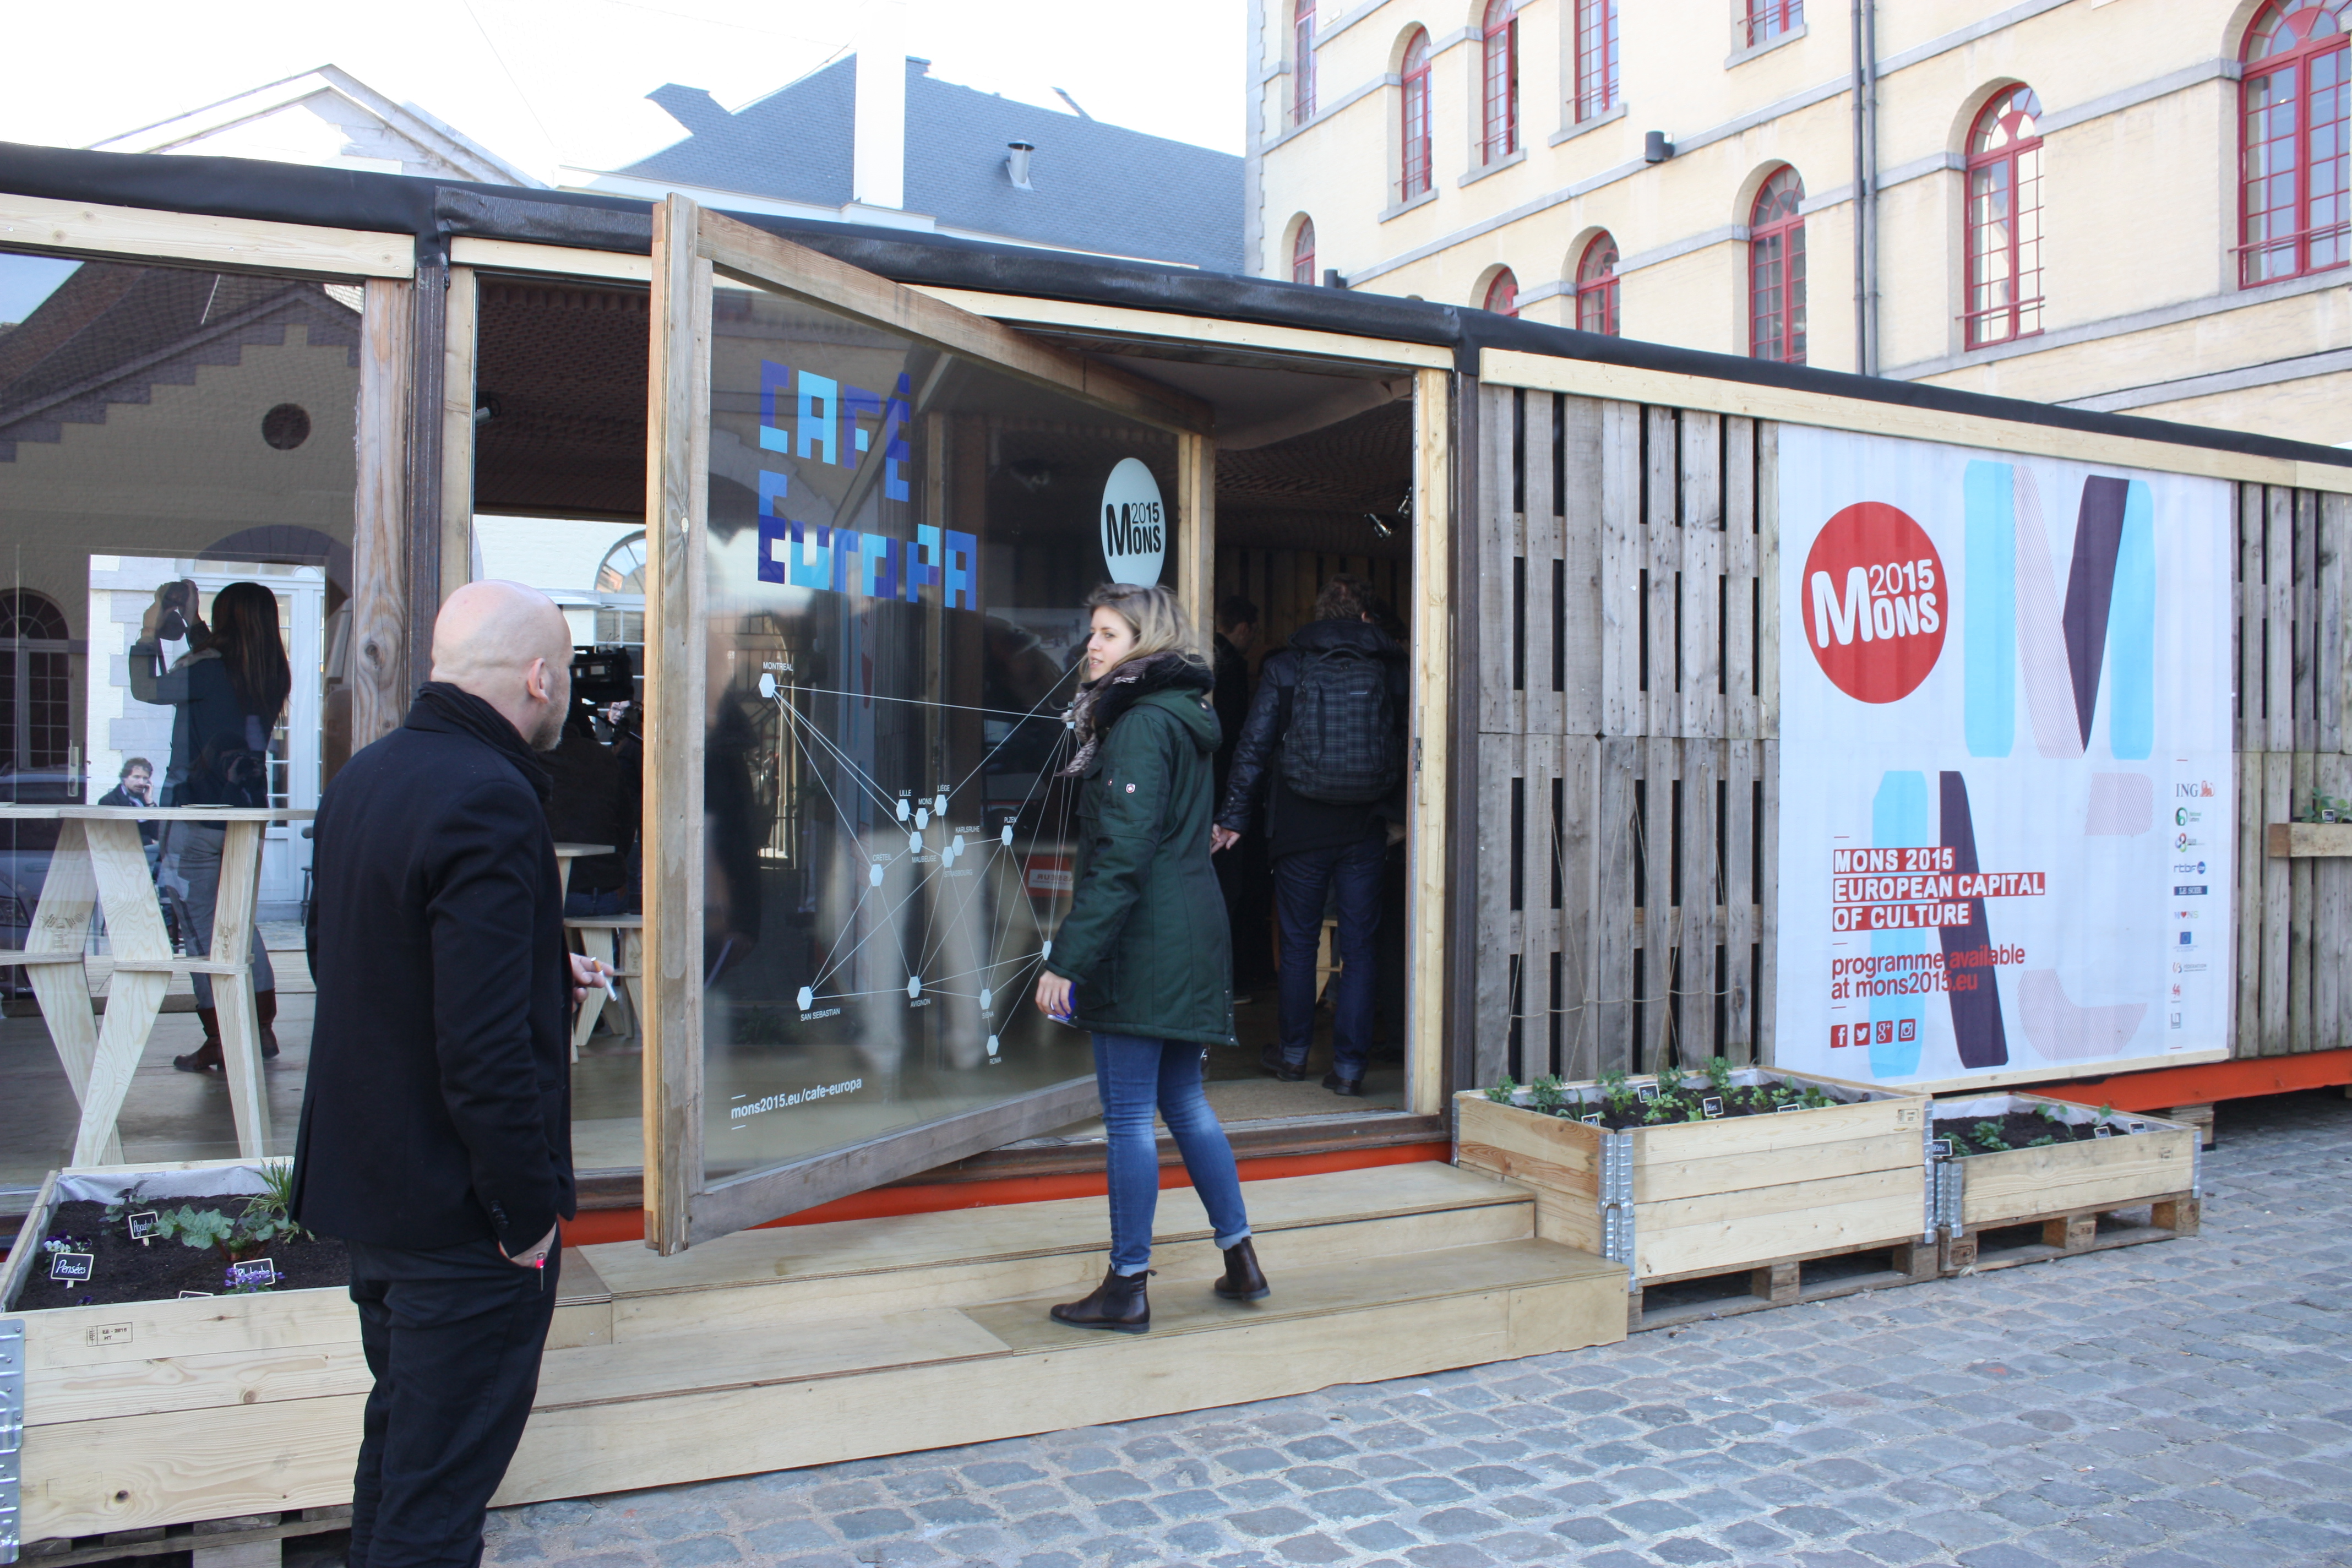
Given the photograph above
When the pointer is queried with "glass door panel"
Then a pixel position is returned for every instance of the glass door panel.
(898, 539)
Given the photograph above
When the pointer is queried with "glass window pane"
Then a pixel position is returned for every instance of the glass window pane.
(899, 545)
(163, 428)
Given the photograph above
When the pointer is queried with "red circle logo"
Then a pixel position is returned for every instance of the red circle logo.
(1873, 602)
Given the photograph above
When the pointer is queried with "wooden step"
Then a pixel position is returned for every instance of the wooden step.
(674, 1409)
(817, 1273)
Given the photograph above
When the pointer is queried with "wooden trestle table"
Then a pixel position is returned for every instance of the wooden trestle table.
(100, 861)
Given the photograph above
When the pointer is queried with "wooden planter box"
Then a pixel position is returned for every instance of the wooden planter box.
(1764, 1194)
(142, 1414)
(2072, 1190)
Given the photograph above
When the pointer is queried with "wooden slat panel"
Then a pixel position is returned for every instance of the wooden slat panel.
(1700, 911)
(2246, 914)
(1579, 612)
(2300, 910)
(1499, 761)
(2331, 920)
(1622, 544)
(2278, 607)
(1548, 1022)
(1739, 900)
(2253, 736)
(2333, 513)
(2304, 659)
(1580, 914)
(2277, 888)
(1661, 765)
(1540, 533)
(1769, 912)
(1663, 554)
(1612, 905)
(1502, 550)
(1740, 555)
(1705, 599)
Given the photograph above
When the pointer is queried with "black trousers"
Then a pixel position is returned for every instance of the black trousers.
(453, 1337)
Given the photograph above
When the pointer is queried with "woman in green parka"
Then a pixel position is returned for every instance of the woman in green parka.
(1143, 958)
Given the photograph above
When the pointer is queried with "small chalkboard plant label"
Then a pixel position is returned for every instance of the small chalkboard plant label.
(71, 1257)
(258, 1275)
(196, 1295)
(1711, 1107)
(143, 1226)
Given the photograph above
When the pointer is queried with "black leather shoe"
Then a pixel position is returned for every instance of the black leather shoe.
(1270, 1058)
(1120, 1303)
(1337, 1085)
(1244, 1280)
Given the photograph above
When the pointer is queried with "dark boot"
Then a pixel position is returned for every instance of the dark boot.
(205, 1057)
(1337, 1085)
(1244, 1280)
(1119, 1303)
(1270, 1058)
(264, 1013)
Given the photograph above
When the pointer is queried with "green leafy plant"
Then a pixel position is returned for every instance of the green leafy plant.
(1694, 1114)
(234, 1240)
(1719, 1074)
(1815, 1099)
(1614, 1091)
(1987, 1135)
(2052, 1113)
(1504, 1092)
(2043, 1141)
(1670, 1079)
(1546, 1094)
(2106, 1111)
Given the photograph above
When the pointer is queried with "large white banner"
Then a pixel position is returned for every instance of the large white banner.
(2005, 763)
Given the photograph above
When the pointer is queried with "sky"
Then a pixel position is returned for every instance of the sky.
(552, 83)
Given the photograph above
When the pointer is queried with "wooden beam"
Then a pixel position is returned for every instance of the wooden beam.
(564, 261)
(1196, 528)
(378, 670)
(1193, 330)
(677, 436)
(1588, 378)
(423, 522)
(460, 329)
(758, 258)
(1431, 1003)
(87, 228)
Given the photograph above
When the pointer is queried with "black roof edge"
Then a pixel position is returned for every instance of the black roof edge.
(434, 211)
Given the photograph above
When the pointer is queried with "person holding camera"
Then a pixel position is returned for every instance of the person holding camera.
(227, 690)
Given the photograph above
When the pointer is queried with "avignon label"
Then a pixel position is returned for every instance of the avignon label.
(1134, 524)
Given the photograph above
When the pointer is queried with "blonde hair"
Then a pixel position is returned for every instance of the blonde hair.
(1157, 617)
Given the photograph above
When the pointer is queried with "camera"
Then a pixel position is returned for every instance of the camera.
(178, 601)
(603, 676)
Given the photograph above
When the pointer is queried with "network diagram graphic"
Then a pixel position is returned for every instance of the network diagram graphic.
(957, 907)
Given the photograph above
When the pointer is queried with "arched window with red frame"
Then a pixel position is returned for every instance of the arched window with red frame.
(1771, 19)
(1302, 252)
(2005, 220)
(1302, 62)
(1413, 115)
(1500, 75)
(1775, 269)
(1596, 57)
(1596, 286)
(1502, 294)
(2294, 169)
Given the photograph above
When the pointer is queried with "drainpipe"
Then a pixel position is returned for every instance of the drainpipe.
(1865, 187)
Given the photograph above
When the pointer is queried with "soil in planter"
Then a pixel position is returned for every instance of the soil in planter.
(122, 1270)
(2018, 1130)
(1670, 1109)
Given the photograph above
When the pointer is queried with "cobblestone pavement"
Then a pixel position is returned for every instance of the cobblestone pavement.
(2184, 1402)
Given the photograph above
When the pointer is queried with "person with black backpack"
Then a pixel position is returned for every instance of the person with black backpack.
(1323, 750)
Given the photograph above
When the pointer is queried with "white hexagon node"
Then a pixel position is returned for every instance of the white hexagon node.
(807, 998)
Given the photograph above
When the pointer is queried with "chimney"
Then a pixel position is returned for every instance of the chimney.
(1016, 163)
(877, 168)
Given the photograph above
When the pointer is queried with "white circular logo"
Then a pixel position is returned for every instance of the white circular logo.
(1134, 524)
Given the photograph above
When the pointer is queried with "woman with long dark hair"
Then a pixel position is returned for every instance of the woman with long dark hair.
(1143, 959)
(229, 690)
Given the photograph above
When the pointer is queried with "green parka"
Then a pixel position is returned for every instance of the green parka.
(1145, 938)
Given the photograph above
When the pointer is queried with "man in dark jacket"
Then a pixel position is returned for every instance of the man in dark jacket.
(1242, 876)
(1318, 848)
(436, 1123)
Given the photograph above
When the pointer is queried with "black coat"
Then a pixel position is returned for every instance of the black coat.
(438, 1109)
(1295, 824)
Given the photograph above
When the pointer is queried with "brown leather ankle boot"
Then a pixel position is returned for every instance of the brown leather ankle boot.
(1244, 1280)
(265, 1013)
(205, 1057)
(1117, 1303)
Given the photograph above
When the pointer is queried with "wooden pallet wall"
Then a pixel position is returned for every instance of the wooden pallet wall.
(1627, 743)
(2294, 917)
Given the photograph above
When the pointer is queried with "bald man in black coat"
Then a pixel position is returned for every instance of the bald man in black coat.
(436, 1122)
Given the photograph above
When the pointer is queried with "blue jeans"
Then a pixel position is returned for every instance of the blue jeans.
(1301, 883)
(1136, 1074)
(587, 904)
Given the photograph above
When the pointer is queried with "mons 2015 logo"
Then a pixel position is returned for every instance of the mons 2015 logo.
(1874, 601)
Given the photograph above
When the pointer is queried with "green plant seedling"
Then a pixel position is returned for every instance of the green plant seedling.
(1545, 1094)
(2043, 1141)
(196, 1227)
(1987, 1135)
(1506, 1091)
(2106, 1111)
(1719, 1074)
(1613, 1088)
(1670, 1079)
(1694, 1114)
(2052, 1113)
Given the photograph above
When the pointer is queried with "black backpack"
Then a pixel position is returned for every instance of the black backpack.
(1342, 745)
